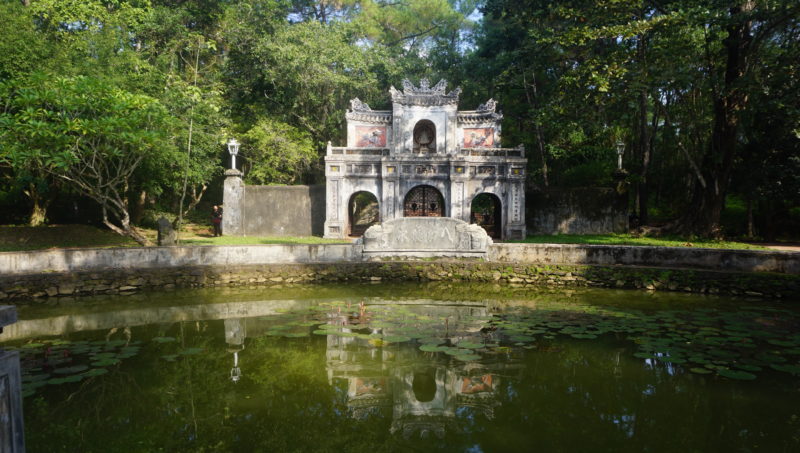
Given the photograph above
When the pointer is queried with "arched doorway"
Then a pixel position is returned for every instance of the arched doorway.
(363, 212)
(423, 201)
(425, 137)
(487, 212)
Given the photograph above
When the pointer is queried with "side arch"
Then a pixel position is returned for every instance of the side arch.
(486, 210)
(363, 211)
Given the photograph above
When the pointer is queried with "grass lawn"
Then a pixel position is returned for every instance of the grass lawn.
(16, 238)
(627, 239)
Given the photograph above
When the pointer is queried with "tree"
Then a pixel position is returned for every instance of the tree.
(276, 153)
(87, 133)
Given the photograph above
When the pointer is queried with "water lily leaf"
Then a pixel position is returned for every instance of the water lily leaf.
(164, 339)
(738, 375)
(467, 357)
(792, 369)
(71, 370)
(28, 378)
(429, 348)
(95, 372)
(32, 345)
(170, 357)
(745, 367)
(191, 351)
(396, 338)
(469, 345)
(296, 334)
(105, 362)
(321, 332)
(700, 370)
(586, 336)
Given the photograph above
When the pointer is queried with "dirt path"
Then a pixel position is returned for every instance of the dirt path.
(785, 246)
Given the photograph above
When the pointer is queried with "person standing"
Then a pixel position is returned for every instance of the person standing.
(216, 220)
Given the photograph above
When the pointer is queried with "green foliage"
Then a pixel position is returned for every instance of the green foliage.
(85, 132)
(276, 152)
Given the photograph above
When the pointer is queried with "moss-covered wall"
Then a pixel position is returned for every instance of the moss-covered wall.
(592, 210)
(123, 282)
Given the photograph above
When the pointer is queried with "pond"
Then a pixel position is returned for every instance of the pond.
(409, 367)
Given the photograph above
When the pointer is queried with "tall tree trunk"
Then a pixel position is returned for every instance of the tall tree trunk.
(39, 209)
(533, 101)
(643, 141)
(137, 210)
(179, 220)
(703, 214)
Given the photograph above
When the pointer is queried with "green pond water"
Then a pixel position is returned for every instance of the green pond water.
(439, 367)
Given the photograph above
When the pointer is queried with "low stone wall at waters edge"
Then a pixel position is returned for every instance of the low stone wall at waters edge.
(659, 257)
(71, 272)
(75, 260)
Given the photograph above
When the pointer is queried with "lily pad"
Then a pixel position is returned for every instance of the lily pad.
(700, 370)
(164, 339)
(738, 375)
(71, 370)
(792, 369)
(105, 362)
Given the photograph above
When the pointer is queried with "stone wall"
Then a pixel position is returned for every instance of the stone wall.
(70, 272)
(660, 257)
(283, 210)
(129, 281)
(592, 210)
(102, 260)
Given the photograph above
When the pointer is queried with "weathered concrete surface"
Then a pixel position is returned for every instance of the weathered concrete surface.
(233, 204)
(71, 260)
(426, 237)
(283, 210)
(593, 210)
(662, 257)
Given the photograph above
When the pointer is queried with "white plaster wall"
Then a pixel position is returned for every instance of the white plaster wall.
(438, 115)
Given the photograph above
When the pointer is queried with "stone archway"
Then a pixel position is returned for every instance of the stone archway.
(487, 211)
(423, 201)
(363, 211)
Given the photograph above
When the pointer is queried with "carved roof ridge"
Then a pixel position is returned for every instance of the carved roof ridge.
(425, 94)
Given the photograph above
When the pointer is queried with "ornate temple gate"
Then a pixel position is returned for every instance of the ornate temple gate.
(423, 201)
(425, 158)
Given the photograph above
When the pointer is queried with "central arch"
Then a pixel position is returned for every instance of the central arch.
(423, 201)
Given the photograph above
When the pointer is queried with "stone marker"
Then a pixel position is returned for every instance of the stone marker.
(425, 237)
(166, 234)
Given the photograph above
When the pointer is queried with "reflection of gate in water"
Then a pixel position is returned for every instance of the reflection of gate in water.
(423, 201)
